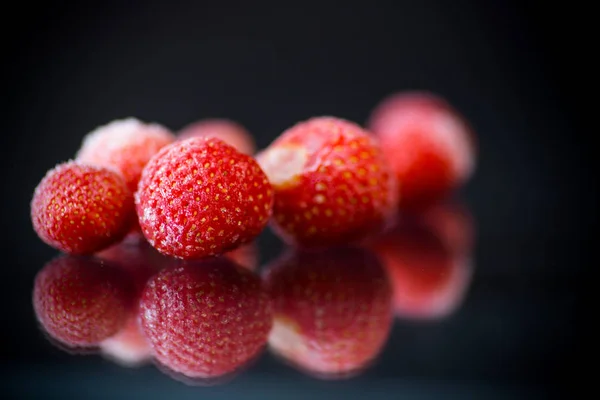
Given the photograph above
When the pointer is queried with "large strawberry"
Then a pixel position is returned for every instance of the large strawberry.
(332, 183)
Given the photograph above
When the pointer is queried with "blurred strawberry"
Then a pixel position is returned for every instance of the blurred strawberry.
(428, 145)
(333, 310)
(430, 271)
(205, 319)
(81, 301)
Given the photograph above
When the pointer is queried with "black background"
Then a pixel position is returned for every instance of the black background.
(70, 67)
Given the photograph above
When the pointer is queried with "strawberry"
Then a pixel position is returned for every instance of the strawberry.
(429, 277)
(81, 301)
(205, 319)
(81, 209)
(332, 184)
(125, 145)
(228, 131)
(333, 310)
(201, 197)
(428, 144)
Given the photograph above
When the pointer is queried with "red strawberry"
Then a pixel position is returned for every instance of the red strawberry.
(201, 197)
(427, 143)
(429, 278)
(332, 184)
(81, 209)
(139, 261)
(333, 310)
(81, 301)
(228, 131)
(125, 145)
(205, 319)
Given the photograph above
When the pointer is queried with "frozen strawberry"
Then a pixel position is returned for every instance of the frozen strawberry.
(205, 319)
(201, 197)
(125, 145)
(81, 301)
(429, 278)
(333, 310)
(246, 256)
(228, 131)
(81, 209)
(428, 144)
(332, 184)
(140, 262)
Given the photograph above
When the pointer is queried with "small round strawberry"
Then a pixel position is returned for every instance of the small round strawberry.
(205, 319)
(332, 183)
(125, 145)
(81, 209)
(139, 261)
(228, 131)
(429, 277)
(428, 145)
(81, 301)
(333, 310)
(201, 197)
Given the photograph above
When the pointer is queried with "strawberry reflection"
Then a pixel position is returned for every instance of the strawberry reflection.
(205, 319)
(80, 302)
(332, 310)
(428, 260)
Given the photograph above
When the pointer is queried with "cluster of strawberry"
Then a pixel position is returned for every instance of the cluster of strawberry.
(324, 183)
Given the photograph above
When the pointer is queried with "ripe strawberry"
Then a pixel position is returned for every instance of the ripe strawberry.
(201, 197)
(228, 131)
(427, 143)
(205, 319)
(81, 301)
(333, 310)
(81, 209)
(125, 145)
(332, 184)
(429, 278)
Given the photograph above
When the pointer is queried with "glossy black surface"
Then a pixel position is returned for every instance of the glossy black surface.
(73, 67)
